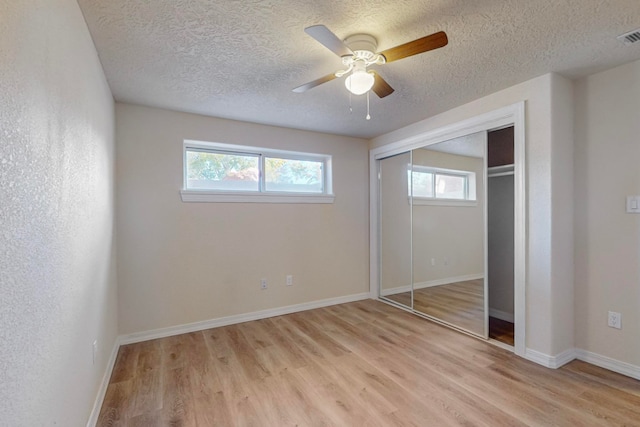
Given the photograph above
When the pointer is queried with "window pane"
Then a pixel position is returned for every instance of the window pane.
(422, 184)
(217, 171)
(297, 176)
(450, 187)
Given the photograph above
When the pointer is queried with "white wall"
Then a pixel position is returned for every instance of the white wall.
(500, 243)
(607, 240)
(543, 245)
(562, 214)
(57, 276)
(185, 262)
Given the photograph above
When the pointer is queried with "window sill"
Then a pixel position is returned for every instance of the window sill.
(219, 197)
(443, 202)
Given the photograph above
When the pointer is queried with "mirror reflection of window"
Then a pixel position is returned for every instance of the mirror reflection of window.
(422, 184)
(450, 187)
(434, 183)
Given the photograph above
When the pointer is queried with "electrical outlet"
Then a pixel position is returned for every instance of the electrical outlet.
(289, 280)
(263, 283)
(95, 351)
(615, 320)
(433, 261)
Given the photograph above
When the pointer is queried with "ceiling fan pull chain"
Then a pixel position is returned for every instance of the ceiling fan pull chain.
(350, 107)
(368, 115)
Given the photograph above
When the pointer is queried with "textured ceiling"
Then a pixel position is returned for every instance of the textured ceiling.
(239, 59)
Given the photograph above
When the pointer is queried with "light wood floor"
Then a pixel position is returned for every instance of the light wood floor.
(460, 303)
(501, 330)
(356, 364)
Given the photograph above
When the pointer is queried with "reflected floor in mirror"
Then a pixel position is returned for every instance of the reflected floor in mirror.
(460, 304)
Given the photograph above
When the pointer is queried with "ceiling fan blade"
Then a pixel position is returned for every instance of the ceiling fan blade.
(329, 40)
(380, 86)
(425, 44)
(317, 82)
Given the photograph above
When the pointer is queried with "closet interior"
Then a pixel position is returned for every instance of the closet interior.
(500, 234)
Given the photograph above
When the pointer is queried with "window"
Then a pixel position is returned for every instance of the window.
(214, 170)
(430, 185)
(231, 173)
(296, 176)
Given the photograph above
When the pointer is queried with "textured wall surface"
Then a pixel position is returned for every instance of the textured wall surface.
(57, 279)
(607, 239)
(240, 59)
(185, 262)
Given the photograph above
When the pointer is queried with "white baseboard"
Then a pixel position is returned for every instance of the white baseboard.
(238, 318)
(567, 356)
(553, 362)
(430, 283)
(605, 362)
(502, 315)
(102, 391)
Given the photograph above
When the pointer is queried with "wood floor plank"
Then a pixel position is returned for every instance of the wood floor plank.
(566, 393)
(246, 355)
(324, 341)
(363, 363)
(126, 363)
(178, 405)
(213, 411)
(116, 404)
(226, 366)
(147, 388)
(501, 330)
(204, 379)
(254, 335)
(288, 350)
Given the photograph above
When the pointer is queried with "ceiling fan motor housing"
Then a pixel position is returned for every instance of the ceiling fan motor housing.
(362, 42)
(363, 46)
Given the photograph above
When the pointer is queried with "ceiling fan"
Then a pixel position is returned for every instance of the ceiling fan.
(359, 52)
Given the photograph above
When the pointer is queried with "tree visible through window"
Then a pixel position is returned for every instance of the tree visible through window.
(220, 170)
(293, 175)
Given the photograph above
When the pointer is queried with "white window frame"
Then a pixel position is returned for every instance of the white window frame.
(470, 198)
(260, 196)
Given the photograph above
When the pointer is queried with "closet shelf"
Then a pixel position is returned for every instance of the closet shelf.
(502, 170)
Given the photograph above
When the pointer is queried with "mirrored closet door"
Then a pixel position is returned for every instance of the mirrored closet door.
(432, 214)
(448, 232)
(395, 229)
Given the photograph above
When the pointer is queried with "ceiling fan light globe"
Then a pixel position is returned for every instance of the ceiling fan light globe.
(359, 82)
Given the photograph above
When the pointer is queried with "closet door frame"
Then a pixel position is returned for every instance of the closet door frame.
(513, 115)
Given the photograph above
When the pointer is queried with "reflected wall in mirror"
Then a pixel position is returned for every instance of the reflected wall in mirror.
(395, 229)
(448, 232)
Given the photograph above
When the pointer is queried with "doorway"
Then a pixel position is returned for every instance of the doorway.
(500, 234)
